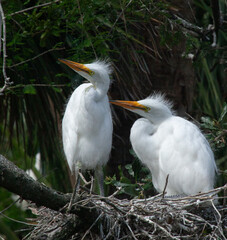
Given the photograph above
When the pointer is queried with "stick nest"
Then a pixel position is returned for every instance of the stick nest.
(96, 217)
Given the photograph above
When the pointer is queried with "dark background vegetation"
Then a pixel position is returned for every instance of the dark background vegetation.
(175, 47)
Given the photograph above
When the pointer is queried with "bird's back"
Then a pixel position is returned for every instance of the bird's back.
(176, 148)
(87, 129)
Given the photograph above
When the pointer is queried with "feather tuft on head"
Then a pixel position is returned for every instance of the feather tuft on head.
(161, 98)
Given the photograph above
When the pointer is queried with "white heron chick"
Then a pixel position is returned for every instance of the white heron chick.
(87, 123)
(170, 146)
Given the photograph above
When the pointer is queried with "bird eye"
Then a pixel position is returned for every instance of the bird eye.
(147, 109)
(91, 73)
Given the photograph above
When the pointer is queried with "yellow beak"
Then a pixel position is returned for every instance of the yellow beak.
(130, 105)
(77, 66)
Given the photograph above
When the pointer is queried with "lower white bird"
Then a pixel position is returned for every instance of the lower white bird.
(170, 146)
(87, 123)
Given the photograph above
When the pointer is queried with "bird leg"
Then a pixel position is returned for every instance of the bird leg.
(75, 189)
(92, 182)
(100, 178)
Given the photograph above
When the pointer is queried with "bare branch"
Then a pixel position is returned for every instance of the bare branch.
(189, 26)
(6, 79)
(39, 55)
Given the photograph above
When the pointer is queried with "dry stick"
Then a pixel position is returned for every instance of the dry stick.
(10, 205)
(6, 79)
(79, 8)
(151, 222)
(132, 233)
(17, 221)
(122, 12)
(225, 196)
(111, 230)
(92, 226)
(200, 195)
(116, 192)
(31, 8)
(83, 178)
(37, 85)
(219, 220)
(189, 26)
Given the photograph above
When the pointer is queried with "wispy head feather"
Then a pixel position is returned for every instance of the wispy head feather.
(161, 98)
(104, 64)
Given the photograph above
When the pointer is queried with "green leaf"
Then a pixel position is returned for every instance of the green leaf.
(29, 89)
(224, 111)
(130, 170)
(56, 89)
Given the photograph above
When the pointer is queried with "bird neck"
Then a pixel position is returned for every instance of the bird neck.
(101, 89)
(157, 119)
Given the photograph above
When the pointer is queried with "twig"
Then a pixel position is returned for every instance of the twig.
(83, 178)
(6, 79)
(132, 233)
(111, 230)
(222, 134)
(122, 12)
(37, 56)
(87, 35)
(164, 190)
(189, 26)
(219, 220)
(37, 85)
(10, 205)
(31, 8)
(92, 226)
(116, 192)
(17, 221)
(143, 219)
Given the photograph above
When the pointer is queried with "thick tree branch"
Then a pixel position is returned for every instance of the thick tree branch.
(17, 181)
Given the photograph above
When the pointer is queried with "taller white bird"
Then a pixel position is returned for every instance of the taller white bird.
(87, 123)
(170, 146)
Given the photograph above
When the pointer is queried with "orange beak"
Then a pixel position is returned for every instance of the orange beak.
(77, 66)
(131, 105)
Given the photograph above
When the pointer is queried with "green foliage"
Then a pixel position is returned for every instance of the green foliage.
(132, 31)
(83, 30)
(31, 109)
(216, 133)
(134, 179)
(15, 216)
(210, 64)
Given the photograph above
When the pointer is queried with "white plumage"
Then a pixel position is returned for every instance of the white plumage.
(87, 122)
(171, 145)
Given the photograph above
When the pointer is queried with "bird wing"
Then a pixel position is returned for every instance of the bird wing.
(186, 156)
(70, 124)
